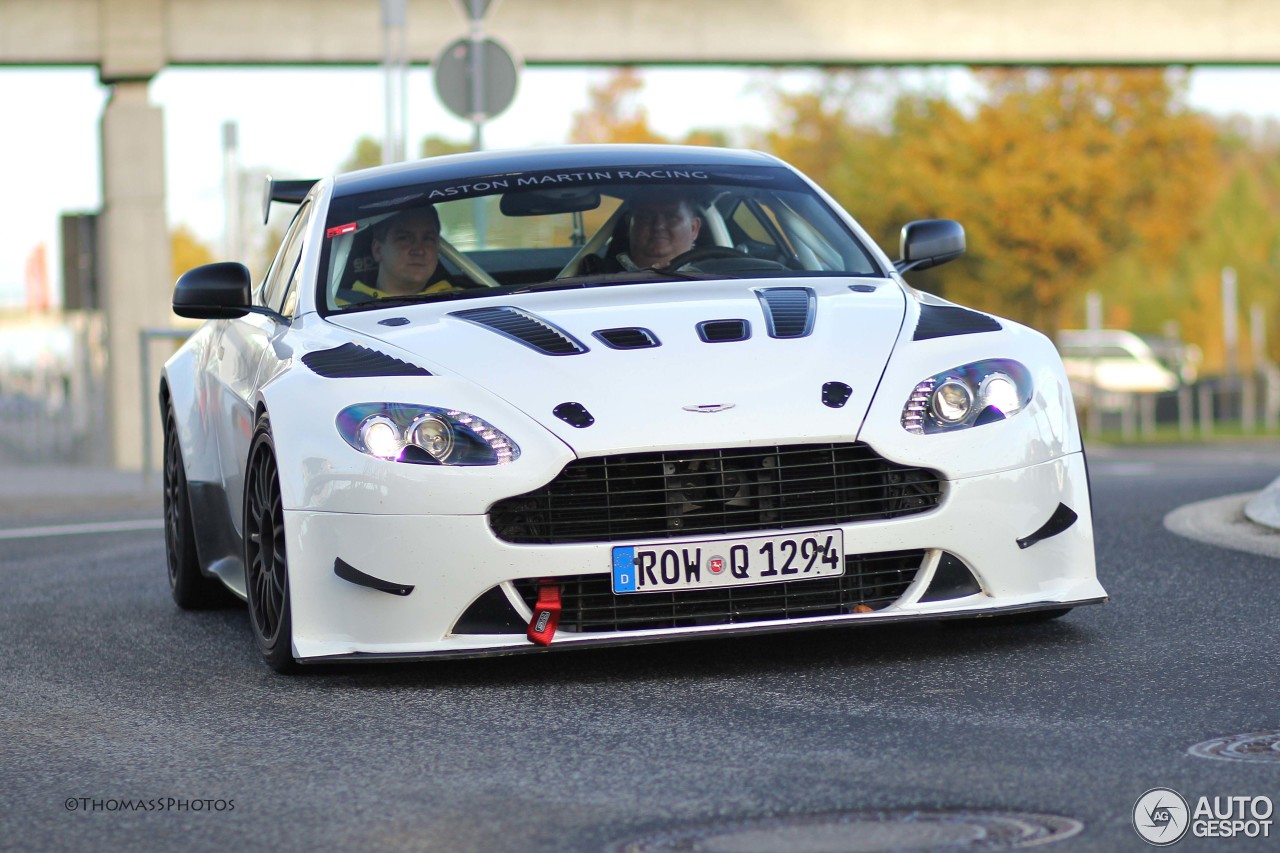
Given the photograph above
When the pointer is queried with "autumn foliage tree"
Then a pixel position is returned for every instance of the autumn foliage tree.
(1054, 173)
(616, 113)
(186, 251)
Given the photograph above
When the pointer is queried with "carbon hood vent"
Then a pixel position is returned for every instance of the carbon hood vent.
(627, 338)
(523, 327)
(724, 331)
(352, 360)
(943, 321)
(788, 311)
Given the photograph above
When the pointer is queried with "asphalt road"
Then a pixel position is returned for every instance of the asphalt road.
(112, 694)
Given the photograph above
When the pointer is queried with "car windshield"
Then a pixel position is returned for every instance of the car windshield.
(597, 227)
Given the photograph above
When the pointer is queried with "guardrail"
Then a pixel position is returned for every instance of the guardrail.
(1201, 409)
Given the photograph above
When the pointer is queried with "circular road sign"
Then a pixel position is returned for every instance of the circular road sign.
(498, 70)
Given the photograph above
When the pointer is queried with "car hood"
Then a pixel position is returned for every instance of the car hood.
(684, 392)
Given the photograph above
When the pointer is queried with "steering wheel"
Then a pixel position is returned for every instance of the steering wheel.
(702, 253)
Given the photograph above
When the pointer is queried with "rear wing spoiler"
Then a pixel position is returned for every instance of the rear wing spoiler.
(290, 192)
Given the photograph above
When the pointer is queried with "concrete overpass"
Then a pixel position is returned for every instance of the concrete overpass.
(131, 41)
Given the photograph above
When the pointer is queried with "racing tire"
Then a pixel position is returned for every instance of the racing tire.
(190, 587)
(266, 563)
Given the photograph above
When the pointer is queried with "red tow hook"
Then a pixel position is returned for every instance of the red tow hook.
(546, 613)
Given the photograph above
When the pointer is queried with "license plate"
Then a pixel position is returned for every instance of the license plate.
(727, 562)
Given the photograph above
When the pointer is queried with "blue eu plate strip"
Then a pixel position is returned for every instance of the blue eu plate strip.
(624, 569)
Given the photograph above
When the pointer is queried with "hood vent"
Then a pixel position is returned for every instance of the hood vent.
(788, 311)
(523, 327)
(633, 338)
(943, 321)
(352, 360)
(724, 331)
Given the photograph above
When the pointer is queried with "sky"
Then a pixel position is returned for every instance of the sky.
(305, 122)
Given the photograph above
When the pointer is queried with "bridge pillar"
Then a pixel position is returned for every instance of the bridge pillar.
(136, 270)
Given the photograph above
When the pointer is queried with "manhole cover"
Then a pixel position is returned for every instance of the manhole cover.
(1259, 746)
(863, 832)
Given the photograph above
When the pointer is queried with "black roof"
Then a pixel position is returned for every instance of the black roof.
(515, 161)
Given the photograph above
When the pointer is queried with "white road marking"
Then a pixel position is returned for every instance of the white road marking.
(81, 529)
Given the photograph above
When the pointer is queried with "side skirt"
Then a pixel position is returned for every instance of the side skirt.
(218, 546)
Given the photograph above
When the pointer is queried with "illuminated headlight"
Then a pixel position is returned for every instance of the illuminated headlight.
(426, 435)
(972, 395)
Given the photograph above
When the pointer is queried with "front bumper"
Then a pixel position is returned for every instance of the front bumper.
(452, 560)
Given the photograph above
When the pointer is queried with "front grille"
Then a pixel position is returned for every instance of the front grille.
(681, 493)
(588, 605)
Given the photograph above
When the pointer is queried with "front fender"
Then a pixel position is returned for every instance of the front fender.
(1043, 431)
(183, 376)
(319, 471)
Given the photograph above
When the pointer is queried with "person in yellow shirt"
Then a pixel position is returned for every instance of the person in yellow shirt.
(405, 249)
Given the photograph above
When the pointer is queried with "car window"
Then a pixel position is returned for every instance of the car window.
(529, 230)
(284, 268)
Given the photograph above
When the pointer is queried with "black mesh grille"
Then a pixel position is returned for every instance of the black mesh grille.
(353, 360)
(587, 602)
(631, 338)
(528, 329)
(722, 331)
(658, 495)
(788, 311)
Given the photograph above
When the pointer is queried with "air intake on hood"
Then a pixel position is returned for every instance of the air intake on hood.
(722, 331)
(788, 311)
(943, 321)
(352, 360)
(528, 329)
(630, 338)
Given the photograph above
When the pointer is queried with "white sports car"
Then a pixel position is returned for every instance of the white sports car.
(569, 397)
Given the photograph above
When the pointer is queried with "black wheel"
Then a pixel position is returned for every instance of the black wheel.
(190, 588)
(266, 563)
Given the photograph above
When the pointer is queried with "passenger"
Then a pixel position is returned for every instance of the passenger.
(405, 249)
(662, 228)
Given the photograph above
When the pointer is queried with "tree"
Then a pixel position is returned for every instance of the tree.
(614, 112)
(1055, 173)
(366, 154)
(187, 251)
(436, 146)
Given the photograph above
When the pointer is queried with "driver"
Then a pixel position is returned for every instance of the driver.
(405, 249)
(662, 227)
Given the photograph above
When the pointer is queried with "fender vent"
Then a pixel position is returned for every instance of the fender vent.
(943, 321)
(788, 311)
(633, 338)
(523, 327)
(352, 360)
(723, 331)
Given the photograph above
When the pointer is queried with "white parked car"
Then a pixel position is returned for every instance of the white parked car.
(1113, 361)
(553, 444)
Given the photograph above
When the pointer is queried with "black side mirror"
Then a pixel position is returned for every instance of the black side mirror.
(929, 243)
(214, 292)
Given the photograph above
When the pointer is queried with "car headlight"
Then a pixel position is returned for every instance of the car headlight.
(425, 435)
(972, 395)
